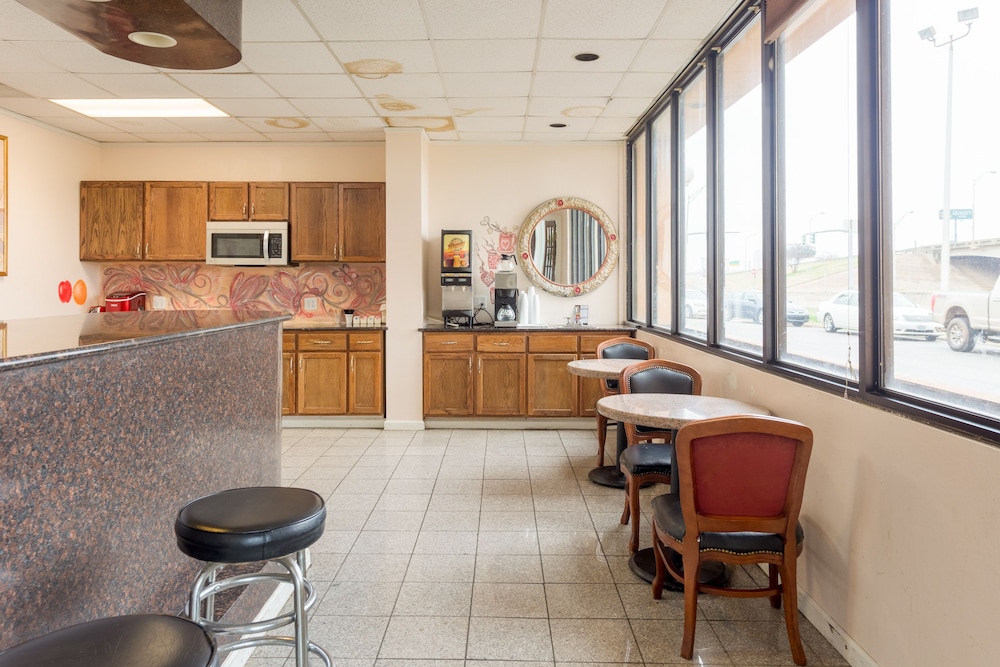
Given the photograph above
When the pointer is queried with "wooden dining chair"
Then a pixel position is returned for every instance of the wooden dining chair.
(741, 481)
(646, 461)
(622, 347)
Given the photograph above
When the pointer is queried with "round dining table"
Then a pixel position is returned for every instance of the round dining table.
(671, 412)
(605, 369)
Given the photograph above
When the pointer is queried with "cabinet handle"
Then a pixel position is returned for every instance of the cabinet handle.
(364, 342)
(480, 366)
(449, 342)
(470, 364)
(501, 344)
(244, 210)
(352, 364)
(322, 342)
(253, 209)
(147, 250)
(291, 364)
(301, 361)
(138, 251)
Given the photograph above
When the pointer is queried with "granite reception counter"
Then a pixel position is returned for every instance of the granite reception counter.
(109, 422)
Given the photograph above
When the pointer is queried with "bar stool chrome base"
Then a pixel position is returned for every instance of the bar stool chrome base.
(304, 597)
(249, 525)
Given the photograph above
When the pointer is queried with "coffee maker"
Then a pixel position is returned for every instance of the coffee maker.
(505, 293)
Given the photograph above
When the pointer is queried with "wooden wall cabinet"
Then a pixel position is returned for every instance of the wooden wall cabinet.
(331, 372)
(111, 215)
(248, 201)
(494, 374)
(337, 222)
(174, 225)
(136, 220)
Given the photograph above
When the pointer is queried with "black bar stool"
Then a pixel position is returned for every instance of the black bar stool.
(246, 525)
(150, 640)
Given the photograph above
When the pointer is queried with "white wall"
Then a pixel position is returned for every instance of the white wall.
(900, 521)
(469, 182)
(44, 169)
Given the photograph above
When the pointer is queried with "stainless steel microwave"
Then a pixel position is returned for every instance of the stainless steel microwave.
(246, 243)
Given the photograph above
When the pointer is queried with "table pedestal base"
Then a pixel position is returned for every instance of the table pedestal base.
(643, 565)
(607, 476)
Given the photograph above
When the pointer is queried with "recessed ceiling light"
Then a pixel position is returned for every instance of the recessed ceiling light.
(156, 40)
(151, 108)
(557, 124)
(586, 57)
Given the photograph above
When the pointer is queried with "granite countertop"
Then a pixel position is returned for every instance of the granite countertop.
(41, 339)
(434, 327)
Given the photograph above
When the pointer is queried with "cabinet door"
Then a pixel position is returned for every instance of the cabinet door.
(552, 389)
(448, 385)
(269, 201)
(500, 384)
(175, 220)
(287, 383)
(111, 220)
(365, 384)
(313, 221)
(228, 201)
(362, 222)
(321, 387)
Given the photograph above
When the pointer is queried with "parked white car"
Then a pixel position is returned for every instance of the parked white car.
(908, 319)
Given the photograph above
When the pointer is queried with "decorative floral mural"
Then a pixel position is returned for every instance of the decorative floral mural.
(496, 241)
(313, 293)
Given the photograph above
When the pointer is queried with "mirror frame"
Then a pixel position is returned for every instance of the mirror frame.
(524, 246)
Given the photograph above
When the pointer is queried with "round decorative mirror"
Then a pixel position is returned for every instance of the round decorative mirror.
(568, 246)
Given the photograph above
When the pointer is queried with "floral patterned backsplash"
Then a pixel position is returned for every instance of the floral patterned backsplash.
(311, 293)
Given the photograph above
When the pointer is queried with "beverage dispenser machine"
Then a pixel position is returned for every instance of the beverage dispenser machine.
(456, 277)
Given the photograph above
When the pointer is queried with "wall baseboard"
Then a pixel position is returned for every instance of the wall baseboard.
(332, 422)
(403, 425)
(518, 423)
(847, 647)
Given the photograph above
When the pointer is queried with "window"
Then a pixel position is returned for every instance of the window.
(637, 234)
(817, 206)
(693, 202)
(945, 262)
(835, 216)
(741, 210)
(662, 203)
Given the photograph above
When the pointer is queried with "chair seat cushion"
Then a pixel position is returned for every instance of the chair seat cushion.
(669, 519)
(150, 640)
(250, 524)
(647, 458)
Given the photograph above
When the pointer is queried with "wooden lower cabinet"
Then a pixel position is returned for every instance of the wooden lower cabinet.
(472, 374)
(500, 384)
(448, 385)
(333, 373)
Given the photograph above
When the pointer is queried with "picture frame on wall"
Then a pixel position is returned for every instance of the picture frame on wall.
(3, 206)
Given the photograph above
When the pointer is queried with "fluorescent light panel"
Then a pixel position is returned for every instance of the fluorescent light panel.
(150, 108)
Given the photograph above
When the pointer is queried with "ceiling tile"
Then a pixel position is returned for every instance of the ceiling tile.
(290, 58)
(489, 106)
(557, 55)
(693, 19)
(312, 85)
(486, 55)
(255, 106)
(573, 84)
(461, 19)
(226, 85)
(138, 86)
(402, 85)
(49, 85)
(489, 124)
(665, 56)
(490, 84)
(378, 59)
(582, 107)
(597, 19)
(333, 106)
(371, 20)
(275, 21)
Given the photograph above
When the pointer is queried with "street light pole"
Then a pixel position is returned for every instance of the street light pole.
(967, 16)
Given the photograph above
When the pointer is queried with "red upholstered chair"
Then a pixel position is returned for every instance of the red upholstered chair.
(622, 347)
(740, 491)
(646, 461)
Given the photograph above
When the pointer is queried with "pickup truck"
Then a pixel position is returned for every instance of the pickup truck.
(968, 317)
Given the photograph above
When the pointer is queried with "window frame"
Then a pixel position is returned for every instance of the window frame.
(874, 234)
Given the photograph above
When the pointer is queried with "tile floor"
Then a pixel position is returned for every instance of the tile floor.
(491, 548)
